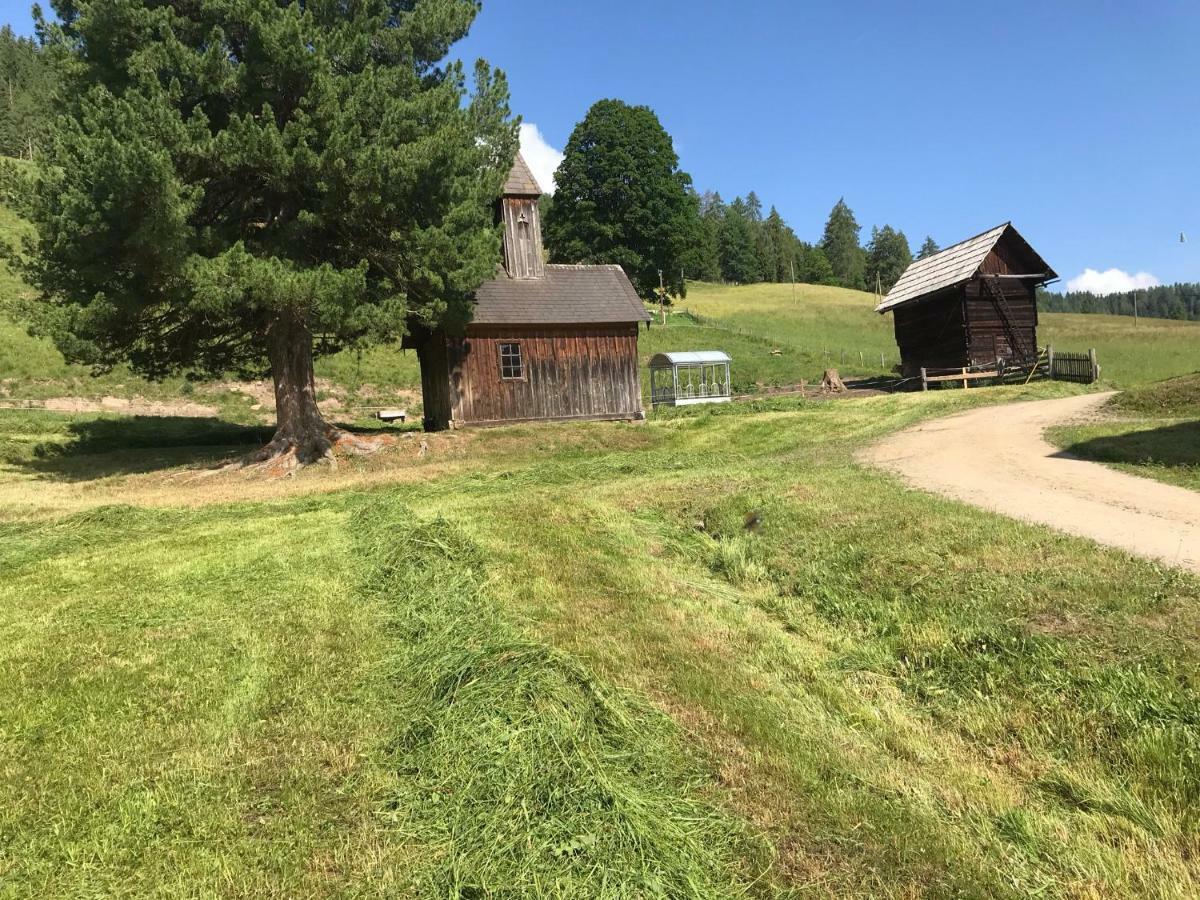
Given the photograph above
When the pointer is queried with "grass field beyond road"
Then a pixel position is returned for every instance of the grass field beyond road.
(1153, 430)
(554, 661)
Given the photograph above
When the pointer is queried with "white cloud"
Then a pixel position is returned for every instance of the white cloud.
(542, 158)
(1111, 281)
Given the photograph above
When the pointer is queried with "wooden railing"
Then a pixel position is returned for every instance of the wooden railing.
(1051, 363)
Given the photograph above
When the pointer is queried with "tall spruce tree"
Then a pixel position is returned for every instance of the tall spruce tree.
(928, 248)
(702, 257)
(622, 199)
(236, 185)
(888, 255)
(738, 245)
(842, 249)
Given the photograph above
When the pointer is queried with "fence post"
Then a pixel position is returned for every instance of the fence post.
(1050, 361)
(924, 380)
(1095, 366)
(882, 364)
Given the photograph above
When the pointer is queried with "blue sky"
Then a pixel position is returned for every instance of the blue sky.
(1079, 121)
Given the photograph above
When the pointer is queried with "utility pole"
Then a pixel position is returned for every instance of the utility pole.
(662, 298)
(1135, 309)
(792, 267)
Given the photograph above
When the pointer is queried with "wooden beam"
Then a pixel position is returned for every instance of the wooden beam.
(961, 377)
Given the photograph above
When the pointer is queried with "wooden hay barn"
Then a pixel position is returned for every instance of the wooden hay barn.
(546, 342)
(970, 305)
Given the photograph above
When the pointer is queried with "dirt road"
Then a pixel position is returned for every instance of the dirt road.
(997, 458)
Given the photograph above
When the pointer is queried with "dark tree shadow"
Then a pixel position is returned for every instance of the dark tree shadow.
(1176, 446)
(98, 448)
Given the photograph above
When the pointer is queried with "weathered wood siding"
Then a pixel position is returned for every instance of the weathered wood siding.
(931, 333)
(570, 372)
(522, 237)
(1010, 335)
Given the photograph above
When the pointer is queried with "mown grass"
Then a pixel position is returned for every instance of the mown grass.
(563, 665)
(825, 321)
(1152, 430)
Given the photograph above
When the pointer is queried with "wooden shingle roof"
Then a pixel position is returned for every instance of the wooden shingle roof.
(521, 182)
(566, 295)
(953, 266)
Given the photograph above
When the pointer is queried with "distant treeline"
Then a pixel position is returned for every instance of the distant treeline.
(1169, 301)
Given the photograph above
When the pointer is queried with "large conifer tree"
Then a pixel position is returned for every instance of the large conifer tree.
(236, 185)
(841, 246)
(888, 255)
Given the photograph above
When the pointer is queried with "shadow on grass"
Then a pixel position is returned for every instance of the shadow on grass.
(97, 448)
(1174, 446)
(102, 447)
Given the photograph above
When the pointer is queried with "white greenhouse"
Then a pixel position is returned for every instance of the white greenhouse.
(688, 377)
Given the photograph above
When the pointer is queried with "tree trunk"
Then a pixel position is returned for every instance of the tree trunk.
(300, 428)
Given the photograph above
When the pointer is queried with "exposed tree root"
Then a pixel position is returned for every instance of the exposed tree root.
(286, 454)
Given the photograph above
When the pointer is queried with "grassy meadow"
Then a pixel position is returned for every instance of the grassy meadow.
(706, 656)
(1153, 430)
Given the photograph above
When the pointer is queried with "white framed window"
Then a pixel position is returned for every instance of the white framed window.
(512, 366)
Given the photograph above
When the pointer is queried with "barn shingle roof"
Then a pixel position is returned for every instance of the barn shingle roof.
(521, 182)
(566, 295)
(953, 266)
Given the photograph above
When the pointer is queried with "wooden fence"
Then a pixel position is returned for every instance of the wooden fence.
(1081, 367)
(1051, 363)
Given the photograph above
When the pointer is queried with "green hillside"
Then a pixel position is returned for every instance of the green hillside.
(834, 324)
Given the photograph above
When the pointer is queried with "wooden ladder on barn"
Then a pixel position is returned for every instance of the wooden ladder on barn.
(1006, 316)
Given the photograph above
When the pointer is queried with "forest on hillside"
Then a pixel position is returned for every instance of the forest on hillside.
(1167, 301)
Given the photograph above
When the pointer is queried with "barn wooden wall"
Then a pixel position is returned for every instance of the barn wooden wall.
(932, 333)
(570, 372)
(988, 338)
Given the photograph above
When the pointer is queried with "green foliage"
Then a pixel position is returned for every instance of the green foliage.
(221, 168)
(26, 86)
(621, 198)
(888, 255)
(841, 246)
(815, 267)
(928, 248)
(738, 245)
(702, 256)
